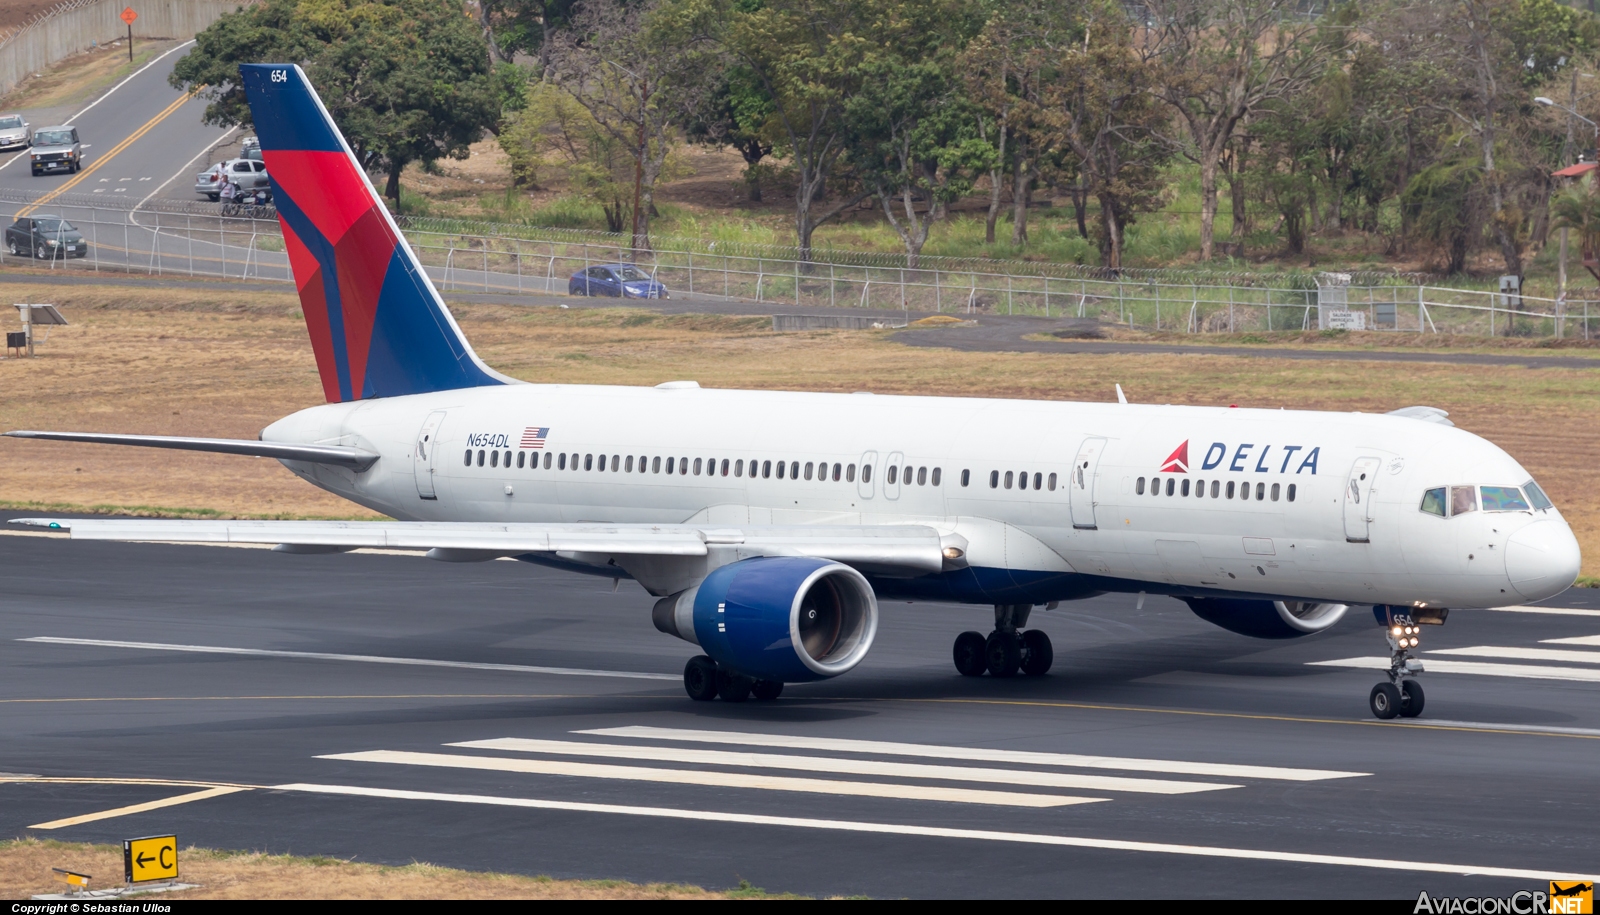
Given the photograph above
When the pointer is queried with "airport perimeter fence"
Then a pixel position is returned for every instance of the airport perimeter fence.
(167, 237)
(77, 25)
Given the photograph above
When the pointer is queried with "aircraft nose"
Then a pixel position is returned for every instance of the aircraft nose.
(1542, 559)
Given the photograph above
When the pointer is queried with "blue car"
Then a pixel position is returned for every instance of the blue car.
(618, 280)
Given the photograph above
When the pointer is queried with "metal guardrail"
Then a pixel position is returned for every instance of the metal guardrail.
(163, 237)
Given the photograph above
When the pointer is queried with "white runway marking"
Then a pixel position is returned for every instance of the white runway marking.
(976, 754)
(714, 779)
(1553, 611)
(361, 658)
(1492, 726)
(1525, 671)
(1576, 640)
(981, 835)
(1522, 654)
(1034, 779)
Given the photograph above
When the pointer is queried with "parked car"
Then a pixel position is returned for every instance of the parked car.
(249, 174)
(617, 280)
(56, 149)
(45, 237)
(15, 132)
(250, 148)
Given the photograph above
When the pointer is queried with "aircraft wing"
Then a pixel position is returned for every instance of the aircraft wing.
(905, 549)
(342, 455)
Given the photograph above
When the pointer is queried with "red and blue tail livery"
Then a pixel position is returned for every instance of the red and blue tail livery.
(378, 327)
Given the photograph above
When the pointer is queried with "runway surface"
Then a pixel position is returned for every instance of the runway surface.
(508, 717)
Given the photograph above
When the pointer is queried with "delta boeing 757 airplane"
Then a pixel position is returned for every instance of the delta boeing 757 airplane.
(768, 525)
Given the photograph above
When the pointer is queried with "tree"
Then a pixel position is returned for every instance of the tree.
(638, 69)
(1104, 107)
(554, 131)
(405, 80)
(1223, 59)
(736, 113)
(512, 27)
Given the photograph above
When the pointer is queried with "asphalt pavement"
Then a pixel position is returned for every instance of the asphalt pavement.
(508, 717)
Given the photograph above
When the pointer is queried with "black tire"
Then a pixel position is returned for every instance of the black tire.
(1385, 701)
(1003, 653)
(700, 678)
(1037, 653)
(11, 245)
(766, 690)
(732, 687)
(1411, 699)
(38, 252)
(969, 655)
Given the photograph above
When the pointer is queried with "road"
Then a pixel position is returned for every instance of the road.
(389, 709)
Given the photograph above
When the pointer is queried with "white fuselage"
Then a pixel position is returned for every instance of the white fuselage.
(1352, 533)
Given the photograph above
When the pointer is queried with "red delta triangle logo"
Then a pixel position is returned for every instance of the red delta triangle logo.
(1178, 460)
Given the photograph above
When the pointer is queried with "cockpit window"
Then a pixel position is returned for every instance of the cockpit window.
(1463, 499)
(1433, 502)
(1503, 499)
(1537, 497)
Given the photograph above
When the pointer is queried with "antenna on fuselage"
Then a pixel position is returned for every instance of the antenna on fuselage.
(1121, 397)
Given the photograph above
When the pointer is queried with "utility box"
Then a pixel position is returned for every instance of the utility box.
(1333, 296)
(1510, 293)
(46, 316)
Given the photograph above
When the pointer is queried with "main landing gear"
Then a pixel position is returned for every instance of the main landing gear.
(705, 679)
(1006, 650)
(1401, 694)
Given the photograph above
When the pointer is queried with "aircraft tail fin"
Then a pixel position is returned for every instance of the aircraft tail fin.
(377, 325)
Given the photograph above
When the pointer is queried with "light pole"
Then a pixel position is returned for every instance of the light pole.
(1561, 262)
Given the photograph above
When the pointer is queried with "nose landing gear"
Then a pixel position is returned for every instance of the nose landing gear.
(1007, 650)
(1401, 695)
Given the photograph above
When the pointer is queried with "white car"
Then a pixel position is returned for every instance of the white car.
(15, 133)
(249, 174)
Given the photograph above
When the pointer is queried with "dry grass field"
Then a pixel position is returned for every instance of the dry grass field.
(25, 869)
(203, 362)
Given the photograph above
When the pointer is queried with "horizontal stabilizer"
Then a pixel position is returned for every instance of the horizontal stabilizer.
(357, 459)
(911, 549)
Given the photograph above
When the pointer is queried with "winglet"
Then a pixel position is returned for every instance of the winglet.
(1121, 397)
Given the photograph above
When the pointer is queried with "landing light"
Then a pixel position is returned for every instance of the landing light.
(953, 552)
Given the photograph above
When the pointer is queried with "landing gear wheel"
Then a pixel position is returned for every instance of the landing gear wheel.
(971, 661)
(1003, 653)
(1411, 698)
(1037, 653)
(700, 678)
(732, 687)
(766, 690)
(1385, 701)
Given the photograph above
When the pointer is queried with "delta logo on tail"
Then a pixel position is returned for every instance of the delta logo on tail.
(1177, 461)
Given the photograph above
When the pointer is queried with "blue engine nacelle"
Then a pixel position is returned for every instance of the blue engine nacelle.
(1267, 619)
(786, 619)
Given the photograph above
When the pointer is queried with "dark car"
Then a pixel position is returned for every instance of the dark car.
(616, 280)
(45, 237)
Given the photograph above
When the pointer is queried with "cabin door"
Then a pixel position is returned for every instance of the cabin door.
(1080, 483)
(422, 457)
(1358, 492)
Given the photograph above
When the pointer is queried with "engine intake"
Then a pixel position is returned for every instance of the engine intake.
(787, 619)
(1267, 619)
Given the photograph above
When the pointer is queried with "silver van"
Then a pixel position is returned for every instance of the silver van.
(56, 149)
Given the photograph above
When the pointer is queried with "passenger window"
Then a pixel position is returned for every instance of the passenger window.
(1171, 484)
(849, 473)
(1537, 497)
(809, 467)
(628, 467)
(1038, 478)
(922, 476)
(1433, 502)
(616, 462)
(547, 458)
(469, 457)
(1022, 480)
(696, 466)
(1244, 491)
(494, 459)
(588, 462)
(1291, 492)
(655, 465)
(894, 473)
(966, 477)
(937, 472)
(561, 461)
(1230, 489)
(1184, 490)
(1138, 487)
(766, 469)
(738, 468)
(994, 479)
(838, 469)
(1261, 492)
(480, 457)
(1200, 489)
(1217, 484)
(1008, 479)
(1463, 499)
(724, 466)
(794, 470)
(780, 469)
(1503, 499)
(683, 467)
(1275, 492)
(522, 458)
(1052, 482)
(866, 473)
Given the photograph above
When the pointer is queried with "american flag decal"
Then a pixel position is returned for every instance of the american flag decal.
(533, 436)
